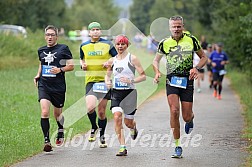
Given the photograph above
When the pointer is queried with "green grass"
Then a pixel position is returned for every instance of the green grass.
(240, 82)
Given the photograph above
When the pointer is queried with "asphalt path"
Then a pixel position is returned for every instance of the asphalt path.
(215, 140)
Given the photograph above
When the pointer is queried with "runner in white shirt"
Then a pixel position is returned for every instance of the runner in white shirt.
(201, 71)
(124, 94)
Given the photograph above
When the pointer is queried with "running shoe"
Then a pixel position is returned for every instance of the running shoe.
(103, 143)
(122, 152)
(177, 153)
(47, 147)
(215, 93)
(219, 97)
(133, 133)
(189, 126)
(60, 137)
(92, 136)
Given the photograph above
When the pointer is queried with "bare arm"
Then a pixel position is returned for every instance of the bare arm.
(202, 62)
(109, 73)
(35, 80)
(155, 66)
(142, 76)
(83, 64)
(69, 65)
(203, 58)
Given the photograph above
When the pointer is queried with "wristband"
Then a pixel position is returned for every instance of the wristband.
(62, 69)
(197, 68)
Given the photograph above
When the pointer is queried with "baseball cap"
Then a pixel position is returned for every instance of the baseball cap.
(94, 25)
(209, 45)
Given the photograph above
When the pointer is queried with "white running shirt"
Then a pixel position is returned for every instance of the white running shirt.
(123, 68)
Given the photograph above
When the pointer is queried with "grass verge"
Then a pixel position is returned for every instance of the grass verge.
(241, 84)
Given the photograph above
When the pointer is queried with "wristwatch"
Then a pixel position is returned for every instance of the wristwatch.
(62, 69)
(197, 68)
(132, 81)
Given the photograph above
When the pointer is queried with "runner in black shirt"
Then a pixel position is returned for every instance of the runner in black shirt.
(55, 60)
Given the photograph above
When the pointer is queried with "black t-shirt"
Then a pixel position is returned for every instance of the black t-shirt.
(53, 56)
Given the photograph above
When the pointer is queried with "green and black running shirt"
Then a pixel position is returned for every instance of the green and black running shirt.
(179, 55)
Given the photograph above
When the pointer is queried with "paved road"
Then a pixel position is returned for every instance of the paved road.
(215, 140)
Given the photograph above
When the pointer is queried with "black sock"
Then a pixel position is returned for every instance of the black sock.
(92, 118)
(60, 127)
(45, 125)
(102, 125)
(220, 89)
(61, 123)
(215, 87)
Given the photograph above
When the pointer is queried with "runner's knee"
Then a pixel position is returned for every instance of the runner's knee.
(129, 123)
(187, 117)
(174, 112)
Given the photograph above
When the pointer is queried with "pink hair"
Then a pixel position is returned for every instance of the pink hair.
(122, 39)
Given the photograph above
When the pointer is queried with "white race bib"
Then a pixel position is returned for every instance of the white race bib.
(100, 87)
(222, 72)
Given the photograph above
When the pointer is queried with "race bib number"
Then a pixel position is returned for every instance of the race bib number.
(180, 82)
(100, 87)
(120, 85)
(46, 71)
(222, 72)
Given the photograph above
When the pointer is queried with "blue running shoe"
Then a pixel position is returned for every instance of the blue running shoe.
(189, 126)
(178, 152)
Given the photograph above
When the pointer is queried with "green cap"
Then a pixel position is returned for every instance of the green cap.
(94, 25)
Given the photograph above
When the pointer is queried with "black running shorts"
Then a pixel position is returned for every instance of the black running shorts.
(126, 99)
(56, 98)
(217, 77)
(184, 94)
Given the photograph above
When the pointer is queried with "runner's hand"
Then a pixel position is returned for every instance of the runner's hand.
(193, 74)
(213, 64)
(84, 66)
(109, 84)
(156, 78)
(125, 80)
(35, 80)
(105, 65)
(55, 70)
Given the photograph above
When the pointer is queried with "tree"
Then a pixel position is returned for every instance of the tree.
(139, 13)
(83, 12)
(35, 14)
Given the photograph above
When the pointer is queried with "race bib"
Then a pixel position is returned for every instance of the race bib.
(46, 71)
(180, 82)
(120, 85)
(100, 87)
(222, 72)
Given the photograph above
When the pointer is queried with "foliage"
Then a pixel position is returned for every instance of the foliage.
(83, 12)
(229, 17)
(32, 13)
(245, 93)
(139, 13)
